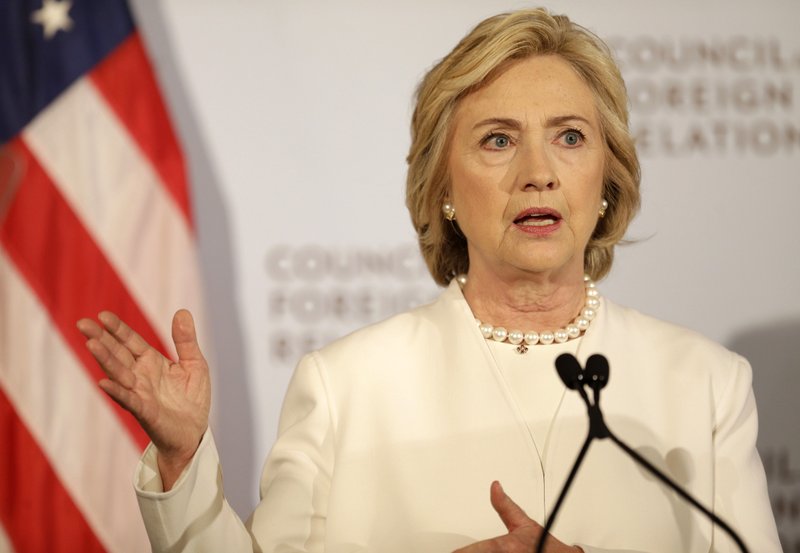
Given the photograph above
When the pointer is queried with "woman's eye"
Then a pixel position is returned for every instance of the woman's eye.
(572, 138)
(497, 141)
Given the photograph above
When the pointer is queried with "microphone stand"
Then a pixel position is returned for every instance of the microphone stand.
(596, 376)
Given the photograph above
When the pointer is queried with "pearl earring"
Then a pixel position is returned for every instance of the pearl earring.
(603, 207)
(449, 211)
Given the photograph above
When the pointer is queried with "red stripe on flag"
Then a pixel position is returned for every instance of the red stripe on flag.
(36, 511)
(126, 80)
(64, 266)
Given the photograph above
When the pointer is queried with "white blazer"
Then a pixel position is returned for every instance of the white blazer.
(389, 439)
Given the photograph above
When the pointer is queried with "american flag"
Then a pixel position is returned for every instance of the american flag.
(94, 214)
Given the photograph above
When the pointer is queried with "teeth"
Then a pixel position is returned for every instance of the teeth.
(537, 222)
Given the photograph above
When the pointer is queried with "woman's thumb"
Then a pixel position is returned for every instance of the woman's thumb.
(185, 337)
(510, 513)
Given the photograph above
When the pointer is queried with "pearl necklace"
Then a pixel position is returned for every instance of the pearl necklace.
(524, 339)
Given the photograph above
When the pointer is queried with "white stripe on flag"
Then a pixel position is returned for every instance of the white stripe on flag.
(114, 190)
(90, 451)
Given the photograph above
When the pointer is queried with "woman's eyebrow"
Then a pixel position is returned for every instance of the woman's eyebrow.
(500, 121)
(561, 119)
(516, 124)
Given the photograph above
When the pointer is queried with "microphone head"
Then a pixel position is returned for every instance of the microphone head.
(597, 372)
(570, 371)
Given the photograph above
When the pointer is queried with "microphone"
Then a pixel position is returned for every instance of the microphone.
(570, 371)
(596, 371)
(595, 376)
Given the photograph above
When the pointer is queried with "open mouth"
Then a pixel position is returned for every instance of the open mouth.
(536, 221)
(537, 218)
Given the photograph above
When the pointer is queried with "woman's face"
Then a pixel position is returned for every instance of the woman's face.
(526, 167)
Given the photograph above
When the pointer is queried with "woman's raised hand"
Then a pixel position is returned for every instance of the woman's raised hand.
(170, 400)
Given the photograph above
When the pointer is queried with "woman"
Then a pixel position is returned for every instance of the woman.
(522, 178)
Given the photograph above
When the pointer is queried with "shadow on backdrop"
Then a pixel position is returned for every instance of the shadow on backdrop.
(232, 410)
(774, 352)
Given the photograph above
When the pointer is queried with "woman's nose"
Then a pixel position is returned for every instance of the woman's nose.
(536, 171)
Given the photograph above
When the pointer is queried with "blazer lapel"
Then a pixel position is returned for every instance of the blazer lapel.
(474, 361)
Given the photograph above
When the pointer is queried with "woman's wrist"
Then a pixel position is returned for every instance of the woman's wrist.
(170, 468)
(172, 463)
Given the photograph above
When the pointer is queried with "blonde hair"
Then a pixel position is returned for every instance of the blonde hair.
(482, 55)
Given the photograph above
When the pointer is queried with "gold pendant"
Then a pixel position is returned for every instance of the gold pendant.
(522, 348)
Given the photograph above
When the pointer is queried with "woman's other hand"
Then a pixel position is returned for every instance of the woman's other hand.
(170, 400)
(523, 532)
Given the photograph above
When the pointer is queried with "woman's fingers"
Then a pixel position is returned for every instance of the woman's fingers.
(90, 329)
(127, 399)
(123, 333)
(113, 367)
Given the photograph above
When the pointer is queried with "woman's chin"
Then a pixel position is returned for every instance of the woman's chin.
(540, 266)
(547, 258)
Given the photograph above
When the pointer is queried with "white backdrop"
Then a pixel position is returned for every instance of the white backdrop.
(294, 116)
